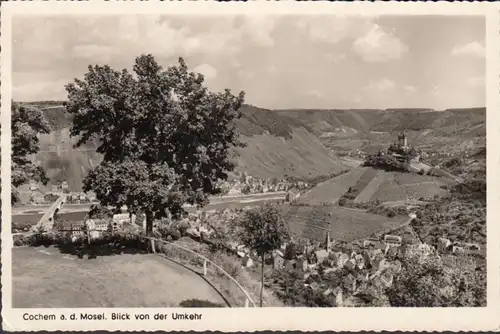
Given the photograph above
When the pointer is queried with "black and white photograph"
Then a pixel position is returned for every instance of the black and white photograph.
(246, 161)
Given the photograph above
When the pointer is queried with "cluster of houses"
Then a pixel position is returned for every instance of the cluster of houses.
(40, 197)
(94, 228)
(371, 262)
(247, 184)
(445, 245)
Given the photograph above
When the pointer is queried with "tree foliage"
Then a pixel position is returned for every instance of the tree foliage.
(164, 137)
(27, 122)
(263, 229)
(438, 282)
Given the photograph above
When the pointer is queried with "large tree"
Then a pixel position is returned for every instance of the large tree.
(27, 122)
(263, 229)
(165, 138)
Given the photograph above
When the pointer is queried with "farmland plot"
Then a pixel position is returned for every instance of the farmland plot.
(367, 193)
(343, 224)
(331, 190)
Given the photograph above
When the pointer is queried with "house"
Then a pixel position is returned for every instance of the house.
(360, 261)
(55, 188)
(392, 240)
(396, 267)
(342, 258)
(443, 245)
(302, 264)
(392, 252)
(82, 197)
(247, 261)
(101, 225)
(64, 185)
(336, 293)
(321, 255)
(291, 265)
(387, 279)
(38, 198)
(34, 186)
(278, 260)
(350, 264)
(313, 286)
(91, 196)
(349, 283)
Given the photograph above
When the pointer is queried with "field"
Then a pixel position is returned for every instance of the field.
(368, 184)
(367, 192)
(330, 191)
(44, 278)
(344, 224)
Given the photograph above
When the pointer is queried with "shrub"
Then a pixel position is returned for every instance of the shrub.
(391, 213)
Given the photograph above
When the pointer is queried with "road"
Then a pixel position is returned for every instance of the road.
(214, 201)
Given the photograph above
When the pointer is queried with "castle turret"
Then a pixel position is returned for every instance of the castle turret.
(402, 140)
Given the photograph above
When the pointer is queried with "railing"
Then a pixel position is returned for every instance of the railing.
(201, 264)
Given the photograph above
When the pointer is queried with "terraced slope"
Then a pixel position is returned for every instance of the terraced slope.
(344, 224)
(331, 190)
(399, 186)
(367, 193)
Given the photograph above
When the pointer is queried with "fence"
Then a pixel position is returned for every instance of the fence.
(204, 266)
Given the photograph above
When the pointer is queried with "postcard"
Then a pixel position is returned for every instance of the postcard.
(250, 166)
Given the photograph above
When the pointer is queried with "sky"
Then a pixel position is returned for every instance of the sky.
(281, 62)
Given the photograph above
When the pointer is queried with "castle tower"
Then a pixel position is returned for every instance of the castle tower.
(402, 140)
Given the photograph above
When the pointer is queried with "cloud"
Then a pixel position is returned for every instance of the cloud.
(327, 30)
(380, 86)
(208, 71)
(104, 53)
(335, 58)
(409, 88)
(378, 45)
(259, 30)
(472, 49)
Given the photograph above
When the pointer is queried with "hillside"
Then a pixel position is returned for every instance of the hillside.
(297, 143)
(366, 184)
(276, 147)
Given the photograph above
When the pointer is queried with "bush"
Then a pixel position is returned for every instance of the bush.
(391, 213)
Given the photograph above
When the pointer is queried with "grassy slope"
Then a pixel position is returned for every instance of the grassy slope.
(41, 280)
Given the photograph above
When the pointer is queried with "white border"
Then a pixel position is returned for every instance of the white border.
(306, 319)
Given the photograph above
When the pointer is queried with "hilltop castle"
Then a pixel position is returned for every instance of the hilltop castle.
(402, 151)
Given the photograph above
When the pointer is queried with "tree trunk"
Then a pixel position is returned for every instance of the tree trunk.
(149, 230)
(262, 280)
(149, 224)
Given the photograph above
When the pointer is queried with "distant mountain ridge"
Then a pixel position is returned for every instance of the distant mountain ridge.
(280, 143)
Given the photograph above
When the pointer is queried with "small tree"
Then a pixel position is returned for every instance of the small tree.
(264, 230)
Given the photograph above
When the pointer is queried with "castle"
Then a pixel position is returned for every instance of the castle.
(401, 149)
